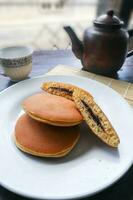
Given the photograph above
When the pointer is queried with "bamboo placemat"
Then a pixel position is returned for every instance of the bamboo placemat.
(123, 88)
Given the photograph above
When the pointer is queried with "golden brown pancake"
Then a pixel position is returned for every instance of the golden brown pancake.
(52, 109)
(44, 140)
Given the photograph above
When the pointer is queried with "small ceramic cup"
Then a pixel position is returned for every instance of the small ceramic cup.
(16, 61)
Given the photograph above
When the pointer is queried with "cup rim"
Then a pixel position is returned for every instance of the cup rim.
(29, 52)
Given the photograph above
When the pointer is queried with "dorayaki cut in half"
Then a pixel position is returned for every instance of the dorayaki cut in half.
(95, 118)
(60, 89)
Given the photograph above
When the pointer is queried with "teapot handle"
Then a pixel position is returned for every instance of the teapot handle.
(130, 32)
(130, 53)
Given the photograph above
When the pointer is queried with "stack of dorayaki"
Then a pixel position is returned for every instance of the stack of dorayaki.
(50, 125)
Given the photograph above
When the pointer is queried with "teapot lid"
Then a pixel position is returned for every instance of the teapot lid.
(108, 20)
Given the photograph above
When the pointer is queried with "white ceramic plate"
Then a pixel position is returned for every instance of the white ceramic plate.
(89, 168)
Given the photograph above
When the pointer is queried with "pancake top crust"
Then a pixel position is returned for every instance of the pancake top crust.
(52, 107)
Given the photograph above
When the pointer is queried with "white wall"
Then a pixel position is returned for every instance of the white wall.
(38, 1)
(82, 1)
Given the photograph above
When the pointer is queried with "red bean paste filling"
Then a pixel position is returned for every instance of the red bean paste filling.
(67, 91)
(94, 117)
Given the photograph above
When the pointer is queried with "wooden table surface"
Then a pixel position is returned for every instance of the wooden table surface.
(43, 61)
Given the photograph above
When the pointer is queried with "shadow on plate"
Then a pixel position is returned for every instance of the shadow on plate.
(10, 83)
(87, 143)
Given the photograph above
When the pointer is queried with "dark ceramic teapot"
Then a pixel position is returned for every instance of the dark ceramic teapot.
(104, 46)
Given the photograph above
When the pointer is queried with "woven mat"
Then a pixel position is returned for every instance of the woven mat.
(123, 88)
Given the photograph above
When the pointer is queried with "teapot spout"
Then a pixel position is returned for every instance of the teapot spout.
(77, 45)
